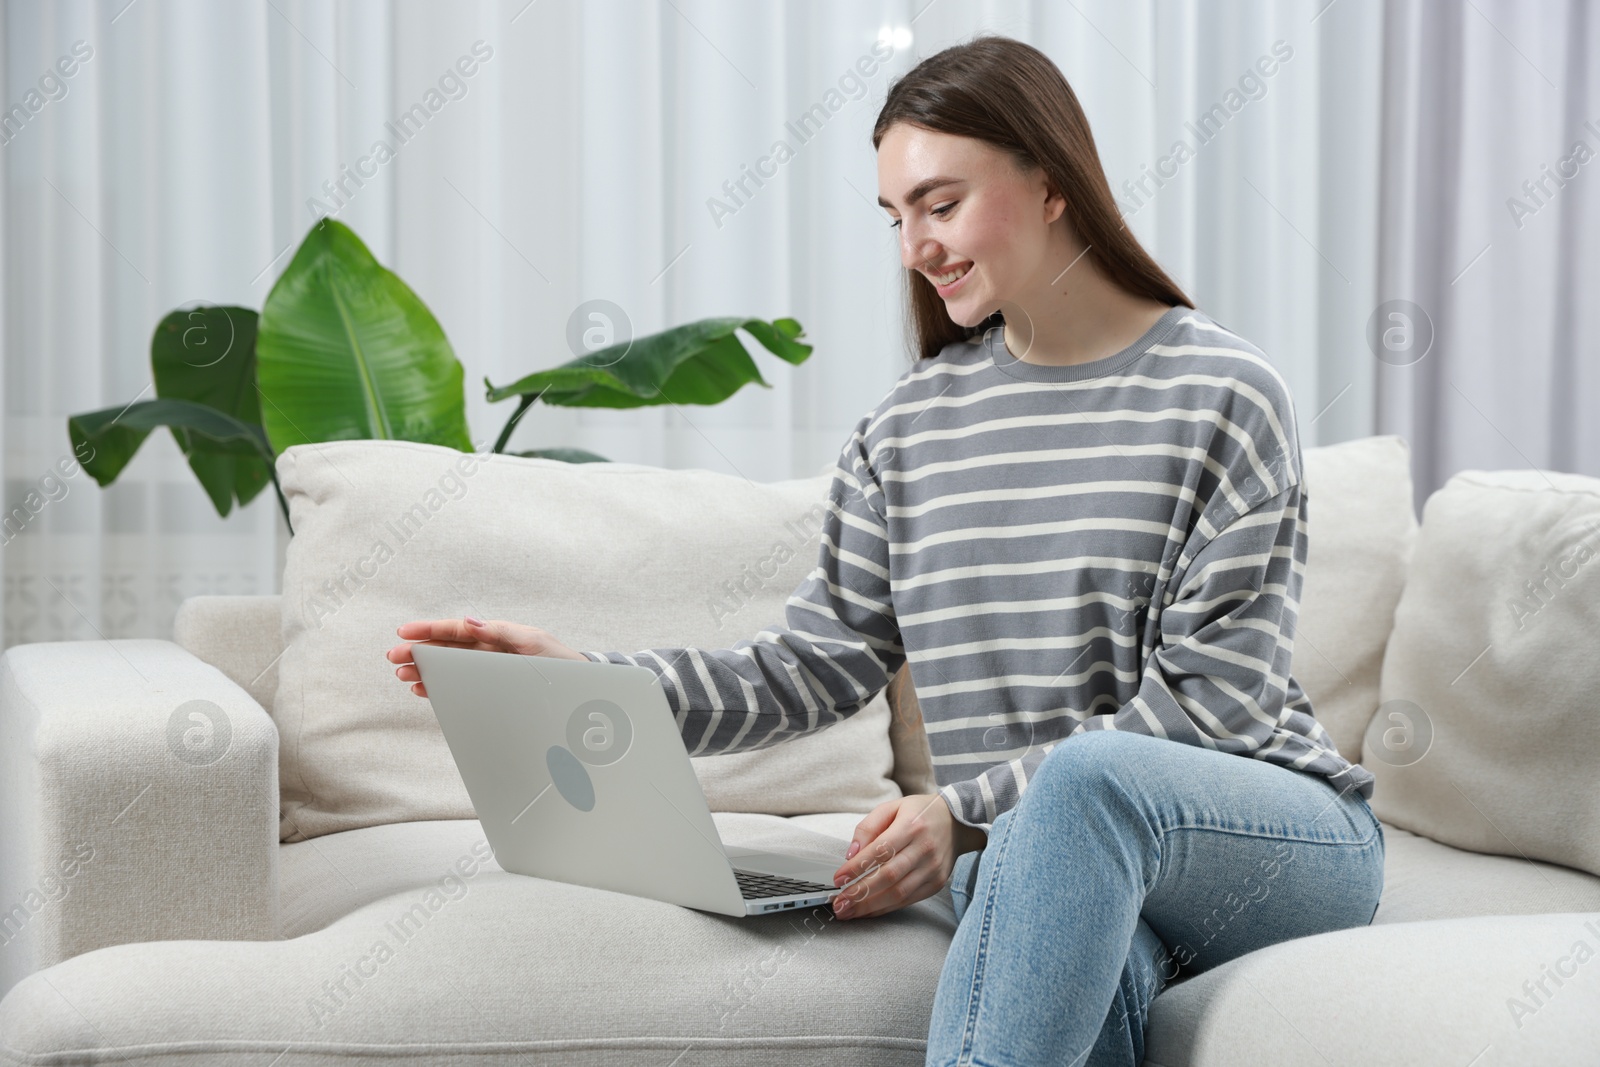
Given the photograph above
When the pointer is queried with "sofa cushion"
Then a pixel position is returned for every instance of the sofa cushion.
(607, 556)
(1361, 529)
(482, 966)
(324, 880)
(1487, 734)
(1423, 879)
(1458, 992)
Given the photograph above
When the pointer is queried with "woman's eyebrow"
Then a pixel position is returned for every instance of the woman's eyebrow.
(921, 189)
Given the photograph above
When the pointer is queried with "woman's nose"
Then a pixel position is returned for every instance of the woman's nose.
(916, 251)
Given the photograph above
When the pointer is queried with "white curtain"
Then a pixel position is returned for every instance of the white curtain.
(1491, 235)
(576, 164)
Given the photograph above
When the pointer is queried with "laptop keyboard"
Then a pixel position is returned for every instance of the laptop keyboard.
(754, 886)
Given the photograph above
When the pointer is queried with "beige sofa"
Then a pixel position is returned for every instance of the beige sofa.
(248, 845)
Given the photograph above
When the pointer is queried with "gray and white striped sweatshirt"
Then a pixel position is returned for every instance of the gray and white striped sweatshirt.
(1113, 545)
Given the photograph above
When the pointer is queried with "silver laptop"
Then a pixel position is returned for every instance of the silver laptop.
(578, 773)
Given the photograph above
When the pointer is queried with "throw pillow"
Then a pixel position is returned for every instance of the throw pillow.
(1487, 731)
(606, 556)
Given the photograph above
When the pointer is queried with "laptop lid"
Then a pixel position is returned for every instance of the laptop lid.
(578, 773)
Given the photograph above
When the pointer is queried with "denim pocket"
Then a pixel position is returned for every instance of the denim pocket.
(963, 879)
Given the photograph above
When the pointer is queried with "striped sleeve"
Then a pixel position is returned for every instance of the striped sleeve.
(838, 648)
(1219, 677)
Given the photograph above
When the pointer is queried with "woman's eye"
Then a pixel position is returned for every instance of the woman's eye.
(941, 211)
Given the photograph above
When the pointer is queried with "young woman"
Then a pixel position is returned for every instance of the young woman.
(1081, 516)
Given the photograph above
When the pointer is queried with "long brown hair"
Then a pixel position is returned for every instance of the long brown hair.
(1009, 94)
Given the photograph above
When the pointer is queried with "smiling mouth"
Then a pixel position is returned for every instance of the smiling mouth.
(951, 276)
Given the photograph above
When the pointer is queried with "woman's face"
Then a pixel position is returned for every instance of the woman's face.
(970, 220)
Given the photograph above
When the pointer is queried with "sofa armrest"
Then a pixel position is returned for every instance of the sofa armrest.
(138, 802)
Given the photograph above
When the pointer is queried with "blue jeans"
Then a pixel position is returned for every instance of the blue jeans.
(1129, 861)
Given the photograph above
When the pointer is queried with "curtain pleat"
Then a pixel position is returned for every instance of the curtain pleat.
(1490, 231)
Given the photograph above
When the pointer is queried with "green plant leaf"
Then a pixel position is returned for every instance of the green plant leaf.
(207, 355)
(110, 437)
(565, 455)
(697, 363)
(345, 350)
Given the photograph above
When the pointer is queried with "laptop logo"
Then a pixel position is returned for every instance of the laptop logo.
(569, 778)
(599, 733)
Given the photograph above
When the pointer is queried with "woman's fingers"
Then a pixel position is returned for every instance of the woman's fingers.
(894, 833)
(850, 906)
(903, 863)
(469, 632)
(466, 632)
(451, 633)
(438, 631)
(887, 864)
(867, 830)
(914, 887)
(473, 633)
(433, 630)
(892, 886)
(402, 653)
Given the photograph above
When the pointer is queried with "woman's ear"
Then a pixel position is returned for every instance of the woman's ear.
(1055, 205)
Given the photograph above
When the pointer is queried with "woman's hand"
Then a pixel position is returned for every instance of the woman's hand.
(492, 636)
(913, 843)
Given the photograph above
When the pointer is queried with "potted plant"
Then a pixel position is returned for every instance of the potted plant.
(343, 349)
